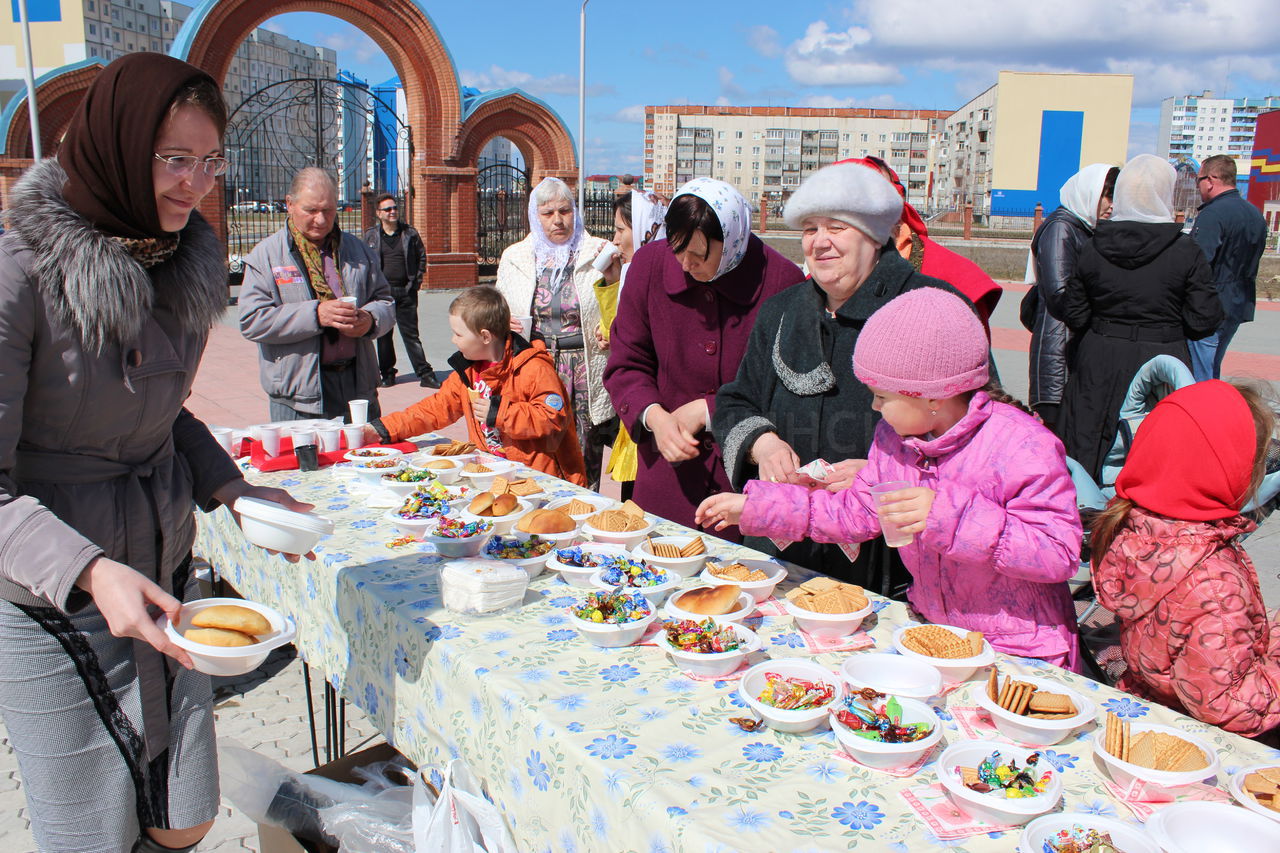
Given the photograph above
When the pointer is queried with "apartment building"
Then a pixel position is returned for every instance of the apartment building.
(1198, 126)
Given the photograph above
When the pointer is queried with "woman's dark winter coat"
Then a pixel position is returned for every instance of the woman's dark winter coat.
(1056, 247)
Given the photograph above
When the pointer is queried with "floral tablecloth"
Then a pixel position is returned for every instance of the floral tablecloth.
(610, 749)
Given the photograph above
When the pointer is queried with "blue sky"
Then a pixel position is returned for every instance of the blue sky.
(927, 54)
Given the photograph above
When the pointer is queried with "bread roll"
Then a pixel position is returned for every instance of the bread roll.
(546, 521)
(218, 637)
(232, 617)
(481, 504)
(709, 600)
(505, 504)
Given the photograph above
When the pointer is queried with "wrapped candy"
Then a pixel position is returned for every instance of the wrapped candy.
(794, 694)
(577, 556)
(1078, 839)
(508, 548)
(456, 528)
(705, 637)
(409, 475)
(1006, 780)
(612, 608)
(874, 716)
(621, 570)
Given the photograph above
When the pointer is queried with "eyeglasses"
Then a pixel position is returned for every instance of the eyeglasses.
(1203, 178)
(386, 209)
(180, 165)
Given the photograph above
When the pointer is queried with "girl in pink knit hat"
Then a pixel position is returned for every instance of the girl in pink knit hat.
(986, 499)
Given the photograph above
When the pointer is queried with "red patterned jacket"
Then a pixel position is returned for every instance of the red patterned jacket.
(1194, 630)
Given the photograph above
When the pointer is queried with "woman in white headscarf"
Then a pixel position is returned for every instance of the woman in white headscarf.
(548, 276)
(1141, 288)
(1085, 200)
(682, 327)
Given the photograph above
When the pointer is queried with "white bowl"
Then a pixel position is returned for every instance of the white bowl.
(746, 606)
(1033, 731)
(532, 565)
(580, 576)
(1129, 838)
(559, 540)
(827, 624)
(655, 594)
(448, 476)
(415, 527)
(451, 546)
(685, 567)
(984, 807)
(598, 502)
(889, 756)
(892, 674)
(501, 523)
(396, 487)
(627, 539)
(219, 660)
(612, 636)
(795, 722)
(484, 480)
(955, 670)
(713, 664)
(269, 525)
(363, 455)
(1199, 827)
(372, 477)
(1235, 784)
(1123, 773)
(760, 590)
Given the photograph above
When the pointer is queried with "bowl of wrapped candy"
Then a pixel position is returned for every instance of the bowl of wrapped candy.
(371, 472)
(577, 563)
(404, 481)
(454, 537)
(884, 731)
(1081, 832)
(652, 582)
(707, 648)
(418, 513)
(523, 550)
(790, 695)
(998, 783)
(612, 620)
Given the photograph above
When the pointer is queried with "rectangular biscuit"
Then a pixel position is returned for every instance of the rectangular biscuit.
(818, 584)
(695, 547)
(993, 684)
(1052, 703)
(1024, 700)
(1003, 699)
(974, 638)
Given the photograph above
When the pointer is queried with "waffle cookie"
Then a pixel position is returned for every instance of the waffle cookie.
(618, 521)
(1264, 786)
(453, 448)
(827, 595)
(476, 468)
(937, 642)
(736, 572)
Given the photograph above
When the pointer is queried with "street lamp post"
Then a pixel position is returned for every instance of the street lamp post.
(30, 74)
(582, 103)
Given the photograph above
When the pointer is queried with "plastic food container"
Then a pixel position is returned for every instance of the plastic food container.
(598, 503)
(448, 476)
(269, 525)
(483, 481)
(685, 567)
(888, 756)
(760, 590)
(984, 807)
(533, 566)
(219, 660)
(612, 636)
(452, 546)
(1033, 731)
(415, 527)
(372, 477)
(1199, 827)
(580, 576)
(627, 539)
(481, 587)
(892, 674)
(655, 594)
(953, 670)
(1127, 837)
(746, 606)
(501, 523)
(827, 624)
(714, 664)
(363, 455)
(794, 722)
(1123, 773)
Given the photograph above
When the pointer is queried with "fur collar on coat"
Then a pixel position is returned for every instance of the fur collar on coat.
(94, 285)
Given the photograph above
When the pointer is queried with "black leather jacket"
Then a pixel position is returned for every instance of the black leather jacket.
(1055, 247)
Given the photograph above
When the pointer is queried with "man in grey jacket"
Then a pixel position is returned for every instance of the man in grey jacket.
(313, 300)
(1233, 235)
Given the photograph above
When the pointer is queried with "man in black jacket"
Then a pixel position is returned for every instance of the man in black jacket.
(1233, 235)
(403, 260)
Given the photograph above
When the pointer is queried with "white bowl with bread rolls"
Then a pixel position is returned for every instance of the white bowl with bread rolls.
(755, 679)
(228, 636)
(445, 468)
(502, 511)
(552, 525)
(729, 571)
(724, 603)
(682, 555)
(1062, 709)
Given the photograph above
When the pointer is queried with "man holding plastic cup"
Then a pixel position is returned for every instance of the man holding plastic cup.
(314, 299)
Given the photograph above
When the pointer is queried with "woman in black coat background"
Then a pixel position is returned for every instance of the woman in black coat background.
(1141, 288)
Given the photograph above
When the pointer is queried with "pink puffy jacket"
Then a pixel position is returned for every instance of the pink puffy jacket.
(1193, 628)
(1002, 538)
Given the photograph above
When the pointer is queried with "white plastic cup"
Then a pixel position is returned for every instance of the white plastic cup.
(223, 436)
(893, 535)
(359, 412)
(302, 436)
(329, 439)
(269, 435)
(605, 258)
(526, 325)
(350, 300)
(354, 436)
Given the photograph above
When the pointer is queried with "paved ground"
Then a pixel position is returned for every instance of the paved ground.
(266, 710)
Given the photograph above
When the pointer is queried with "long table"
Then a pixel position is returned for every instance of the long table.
(610, 749)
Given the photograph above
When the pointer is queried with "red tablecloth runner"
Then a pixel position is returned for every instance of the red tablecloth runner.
(287, 461)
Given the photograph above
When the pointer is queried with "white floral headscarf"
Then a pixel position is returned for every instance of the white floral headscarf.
(647, 213)
(545, 253)
(1144, 190)
(733, 212)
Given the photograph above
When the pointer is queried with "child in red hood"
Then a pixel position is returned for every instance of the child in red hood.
(1169, 562)
(506, 388)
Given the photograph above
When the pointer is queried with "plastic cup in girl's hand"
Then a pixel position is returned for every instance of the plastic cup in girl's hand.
(894, 537)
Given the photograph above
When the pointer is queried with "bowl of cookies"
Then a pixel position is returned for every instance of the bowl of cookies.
(1257, 788)
(825, 607)
(550, 524)
(443, 468)
(683, 555)
(954, 652)
(1201, 827)
(626, 526)
(612, 620)
(228, 636)
(482, 471)
(577, 563)
(582, 506)
(892, 674)
(724, 603)
(758, 577)
(502, 511)
(707, 649)
(1033, 711)
(791, 695)
(1082, 832)
(1161, 756)
(998, 783)
(525, 550)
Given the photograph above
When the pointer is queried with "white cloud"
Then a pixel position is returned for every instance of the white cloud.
(826, 58)
(351, 43)
(497, 77)
(882, 101)
(764, 41)
(633, 114)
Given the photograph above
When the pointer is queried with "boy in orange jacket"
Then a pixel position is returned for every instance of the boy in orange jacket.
(506, 388)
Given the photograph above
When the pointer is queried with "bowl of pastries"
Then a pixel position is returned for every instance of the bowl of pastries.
(228, 636)
(550, 524)
(581, 506)
(825, 607)
(502, 511)
(481, 471)
(724, 603)
(954, 652)
(1033, 711)
(758, 577)
(1257, 788)
(445, 469)
(1161, 756)
(681, 555)
(627, 525)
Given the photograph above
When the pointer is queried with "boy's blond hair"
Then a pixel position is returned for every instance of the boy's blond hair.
(483, 308)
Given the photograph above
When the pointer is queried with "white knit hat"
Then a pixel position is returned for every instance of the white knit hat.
(851, 193)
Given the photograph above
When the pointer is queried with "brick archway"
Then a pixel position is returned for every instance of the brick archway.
(58, 93)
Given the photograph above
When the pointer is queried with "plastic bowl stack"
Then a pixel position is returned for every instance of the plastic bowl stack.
(481, 586)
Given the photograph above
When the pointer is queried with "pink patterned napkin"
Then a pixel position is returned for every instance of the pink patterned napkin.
(651, 635)
(733, 676)
(931, 804)
(976, 725)
(771, 607)
(1143, 799)
(851, 643)
(899, 772)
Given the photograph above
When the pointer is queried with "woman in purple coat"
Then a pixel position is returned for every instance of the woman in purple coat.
(682, 328)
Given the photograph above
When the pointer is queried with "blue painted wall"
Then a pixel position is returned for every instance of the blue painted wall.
(1061, 132)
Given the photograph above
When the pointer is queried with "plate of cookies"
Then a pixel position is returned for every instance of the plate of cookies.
(1257, 788)
(1162, 756)
(580, 507)
(627, 525)
(955, 652)
(1033, 711)
(481, 472)
(683, 555)
(228, 636)
(758, 577)
(825, 607)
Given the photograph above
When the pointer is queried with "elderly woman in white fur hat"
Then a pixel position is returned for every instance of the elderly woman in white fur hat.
(795, 398)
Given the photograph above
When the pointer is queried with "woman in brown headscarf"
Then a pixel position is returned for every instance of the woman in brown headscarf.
(109, 284)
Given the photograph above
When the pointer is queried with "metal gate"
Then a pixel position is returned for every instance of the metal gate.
(339, 125)
(502, 212)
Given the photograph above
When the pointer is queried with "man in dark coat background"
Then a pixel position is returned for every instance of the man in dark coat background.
(403, 261)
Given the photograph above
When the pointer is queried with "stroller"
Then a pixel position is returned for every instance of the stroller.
(1099, 630)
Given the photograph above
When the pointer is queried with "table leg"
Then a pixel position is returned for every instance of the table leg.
(311, 714)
